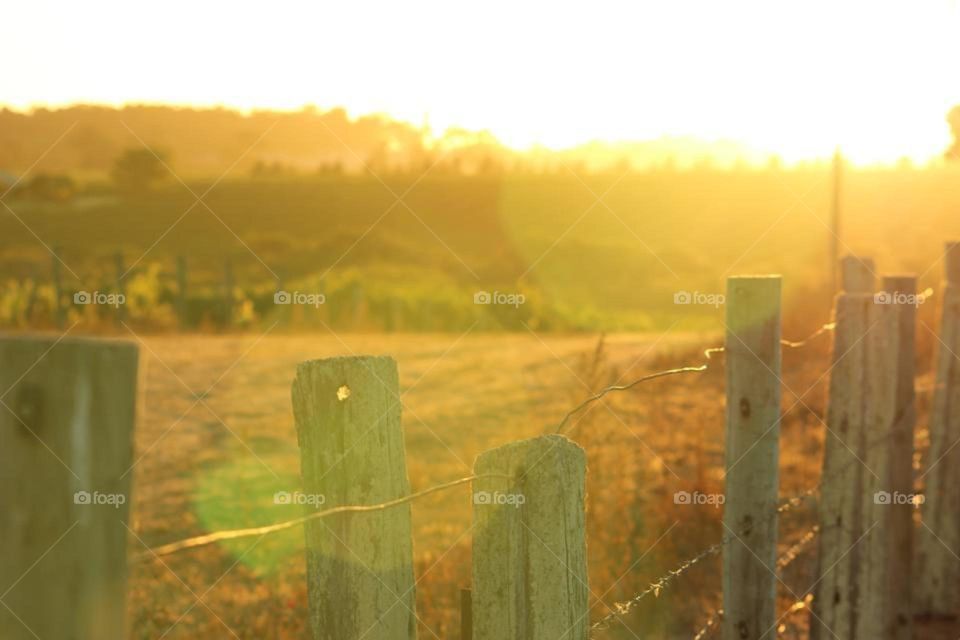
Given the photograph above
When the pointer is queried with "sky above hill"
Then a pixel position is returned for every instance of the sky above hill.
(797, 79)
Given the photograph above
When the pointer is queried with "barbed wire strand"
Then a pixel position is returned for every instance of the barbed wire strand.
(786, 505)
(233, 534)
(708, 353)
(785, 559)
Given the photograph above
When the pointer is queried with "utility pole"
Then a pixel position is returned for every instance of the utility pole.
(834, 256)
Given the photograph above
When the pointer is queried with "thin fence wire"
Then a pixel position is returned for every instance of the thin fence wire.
(785, 560)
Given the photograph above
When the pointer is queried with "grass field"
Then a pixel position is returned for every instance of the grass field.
(584, 263)
(215, 465)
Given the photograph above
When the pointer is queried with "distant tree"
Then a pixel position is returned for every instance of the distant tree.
(49, 187)
(138, 170)
(953, 118)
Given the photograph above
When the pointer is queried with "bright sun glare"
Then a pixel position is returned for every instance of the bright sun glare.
(876, 78)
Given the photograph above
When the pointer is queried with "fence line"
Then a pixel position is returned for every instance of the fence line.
(782, 505)
(788, 504)
(248, 532)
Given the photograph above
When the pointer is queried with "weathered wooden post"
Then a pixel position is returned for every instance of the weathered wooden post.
(842, 476)
(529, 543)
(937, 590)
(182, 292)
(60, 312)
(66, 441)
(835, 229)
(883, 598)
(359, 565)
(121, 308)
(466, 615)
(752, 453)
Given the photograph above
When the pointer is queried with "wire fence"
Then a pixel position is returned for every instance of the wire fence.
(619, 609)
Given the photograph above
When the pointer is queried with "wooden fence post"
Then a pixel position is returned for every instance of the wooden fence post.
(66, 442)
(529, 544)
(466, 614)
(182, 291)
(886, 558)
(842, 476)
(938, 585)
(752, 452)
(359, 565)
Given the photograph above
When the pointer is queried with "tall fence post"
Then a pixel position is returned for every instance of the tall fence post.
(529, 544)
(842, 476)
(938, 588)
(359, 565)
(883, 599)
(466, 615)
(752, 452)
(66, 443)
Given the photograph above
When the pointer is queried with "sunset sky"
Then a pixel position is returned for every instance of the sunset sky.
(798, 79)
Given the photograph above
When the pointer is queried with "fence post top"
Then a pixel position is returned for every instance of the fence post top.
(857, 274)
(549, 442)
(900, 283)
(757, 277)
(341, 362)
(52, 340)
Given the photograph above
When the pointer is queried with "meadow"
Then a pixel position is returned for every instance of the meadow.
(583, 262)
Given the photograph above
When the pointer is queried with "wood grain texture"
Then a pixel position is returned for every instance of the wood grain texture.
(359, 566)
(938, 543)
(752, 455)
(529, 559)
(66, 427)
(885, 568)
(842, 488)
